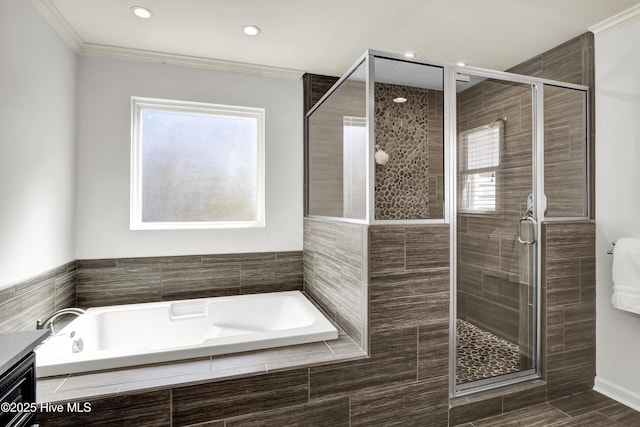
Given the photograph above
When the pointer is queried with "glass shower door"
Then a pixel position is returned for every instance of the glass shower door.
(495, 232)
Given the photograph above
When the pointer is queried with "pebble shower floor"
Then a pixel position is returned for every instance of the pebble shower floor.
(480, 354)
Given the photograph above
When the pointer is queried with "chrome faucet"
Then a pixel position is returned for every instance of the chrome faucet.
(48, 322)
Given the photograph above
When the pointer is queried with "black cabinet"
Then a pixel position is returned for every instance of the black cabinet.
(18, 393)
(18, 377)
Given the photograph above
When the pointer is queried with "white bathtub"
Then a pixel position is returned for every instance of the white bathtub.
(137, 334)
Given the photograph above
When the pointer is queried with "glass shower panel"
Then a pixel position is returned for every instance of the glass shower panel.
(495, 231)
(565, 152)
(337, 147)
(408, 127)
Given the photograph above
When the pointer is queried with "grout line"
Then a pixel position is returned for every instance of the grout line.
(308, 384)
(418, 353)
(171, 407)
(63, 381)
(329, 347)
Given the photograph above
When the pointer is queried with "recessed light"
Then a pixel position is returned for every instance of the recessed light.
(399, 99)
(410, 54)
(461, 64)
(251, 30)
(141, 12)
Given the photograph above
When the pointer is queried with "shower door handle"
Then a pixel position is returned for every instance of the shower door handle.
(527, 219)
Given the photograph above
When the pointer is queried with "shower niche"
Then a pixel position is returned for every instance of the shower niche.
(400, 142)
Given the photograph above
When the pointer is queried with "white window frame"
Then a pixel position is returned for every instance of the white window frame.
(168, 105)
(465, 171)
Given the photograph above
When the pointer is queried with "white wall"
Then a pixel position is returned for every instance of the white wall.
(37, 156)
(617, 204)
(105, 87)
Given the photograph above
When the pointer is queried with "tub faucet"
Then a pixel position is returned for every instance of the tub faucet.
(48, 322)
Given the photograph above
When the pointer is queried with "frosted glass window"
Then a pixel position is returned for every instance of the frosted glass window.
(196, 165)
(480, 160)
(354, 146)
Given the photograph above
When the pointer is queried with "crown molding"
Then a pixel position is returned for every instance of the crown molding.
(52, 15)
(620, 20)
(57, 21)
(188, 61)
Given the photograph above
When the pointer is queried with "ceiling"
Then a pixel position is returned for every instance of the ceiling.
(327, 36)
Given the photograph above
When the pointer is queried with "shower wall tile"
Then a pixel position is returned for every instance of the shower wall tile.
(417, 310)
(433, 350)
(565, 131)
(490, 261)
(315, 86)
(393, 361)
(426, 247)
(424, 402)
(495, 318)
(186, 288)
(387, 249)
(25, 302)
(145, 410)
(215, 401)
(409, 275)
(334, 266)
(332, 412)
(524, 395)
(474, 409)
(569, 250)
(136, 280)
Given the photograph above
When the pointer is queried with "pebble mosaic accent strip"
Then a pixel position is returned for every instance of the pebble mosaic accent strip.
(402, 185)
(480, 354)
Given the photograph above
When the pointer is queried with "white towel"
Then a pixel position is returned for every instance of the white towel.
(626, 275)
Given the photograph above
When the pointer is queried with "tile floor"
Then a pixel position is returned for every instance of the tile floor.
(589, 409)
(480, 354)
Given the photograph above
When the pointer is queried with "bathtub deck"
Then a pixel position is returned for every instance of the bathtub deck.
(196, 371)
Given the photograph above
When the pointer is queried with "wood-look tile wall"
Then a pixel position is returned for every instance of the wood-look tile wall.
(569, 301)
(568, 311)
(568, 325)
(136, 280)
(490, 260)
(571, 62)
(335, 272)
(23, 303)
(565, 152)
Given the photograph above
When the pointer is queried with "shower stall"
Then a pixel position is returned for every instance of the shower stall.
(400, 141)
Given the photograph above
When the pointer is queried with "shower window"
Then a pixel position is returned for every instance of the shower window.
(480, 154)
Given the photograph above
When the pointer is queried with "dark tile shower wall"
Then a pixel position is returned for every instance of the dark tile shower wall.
(136, 280)
(489, 256)
(569, 301)
(411, 184)
(22, 304)
(335, 272)
(571, 62)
